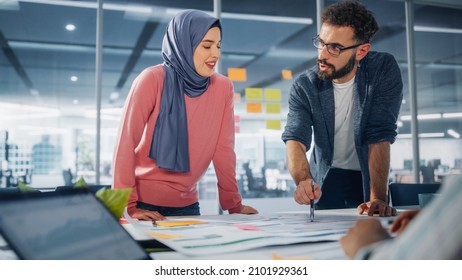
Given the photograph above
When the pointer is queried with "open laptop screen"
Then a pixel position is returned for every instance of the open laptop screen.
(64, 225)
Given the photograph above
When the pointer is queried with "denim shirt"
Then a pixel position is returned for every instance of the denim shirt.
(376, 103)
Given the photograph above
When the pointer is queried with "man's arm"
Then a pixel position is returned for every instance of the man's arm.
(364, 233)
(297, 163)
(299, 169)
(379, 166)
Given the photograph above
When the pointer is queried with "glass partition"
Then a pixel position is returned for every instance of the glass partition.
(47, 85)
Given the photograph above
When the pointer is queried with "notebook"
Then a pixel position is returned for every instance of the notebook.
(70, 224)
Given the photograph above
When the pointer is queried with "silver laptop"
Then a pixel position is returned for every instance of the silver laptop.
(64, 225)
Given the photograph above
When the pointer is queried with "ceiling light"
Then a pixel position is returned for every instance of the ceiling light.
(429, 116)
(12, 111)
(4, 106)
(75, 101)
(254, 17)
(74, 78)
(70, 27)
(34, 92)
(437, 29)
(29, 116)
(422, 117)
(114, 95)
(452, 115)
(422, 135)
(453, 133)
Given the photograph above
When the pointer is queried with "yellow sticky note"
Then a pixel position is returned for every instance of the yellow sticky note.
(237, 98)
(273, 124)
(272, 94)
(237, 74)
(253, 94)
(287, 74)
(178, 223)
(164, 236)
(254, 107)
(273, 108)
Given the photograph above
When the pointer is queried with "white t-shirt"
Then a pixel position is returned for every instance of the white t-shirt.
(345, 155)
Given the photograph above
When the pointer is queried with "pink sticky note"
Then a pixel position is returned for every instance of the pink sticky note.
(248, 227)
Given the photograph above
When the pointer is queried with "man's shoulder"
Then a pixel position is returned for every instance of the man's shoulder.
(374, 57)
(376, 63)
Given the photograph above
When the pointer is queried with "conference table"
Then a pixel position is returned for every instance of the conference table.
(266, 236)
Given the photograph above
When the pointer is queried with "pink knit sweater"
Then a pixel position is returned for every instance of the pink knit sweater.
(211, 138)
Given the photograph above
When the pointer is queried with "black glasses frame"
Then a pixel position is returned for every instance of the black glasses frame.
(332, 48)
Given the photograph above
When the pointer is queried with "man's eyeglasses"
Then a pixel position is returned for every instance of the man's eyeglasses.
(334, 49)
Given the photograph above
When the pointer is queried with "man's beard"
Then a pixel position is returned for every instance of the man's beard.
(342, 72)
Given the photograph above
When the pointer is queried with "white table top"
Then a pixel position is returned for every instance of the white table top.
(307, 250)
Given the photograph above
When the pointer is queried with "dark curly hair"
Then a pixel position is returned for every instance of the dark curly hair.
(353, 14)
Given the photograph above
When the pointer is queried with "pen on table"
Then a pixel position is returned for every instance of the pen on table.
(312, 202)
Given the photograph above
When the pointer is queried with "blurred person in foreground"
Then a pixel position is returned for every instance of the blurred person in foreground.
(434, 232)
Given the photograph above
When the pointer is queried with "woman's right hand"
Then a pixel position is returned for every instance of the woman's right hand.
(147, 215)
(403, 220)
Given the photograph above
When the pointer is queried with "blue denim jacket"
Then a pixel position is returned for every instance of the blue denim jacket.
(376, 103)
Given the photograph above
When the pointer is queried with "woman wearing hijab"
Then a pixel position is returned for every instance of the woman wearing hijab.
(179, 117)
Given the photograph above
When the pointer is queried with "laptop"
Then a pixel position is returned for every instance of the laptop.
(72, 225)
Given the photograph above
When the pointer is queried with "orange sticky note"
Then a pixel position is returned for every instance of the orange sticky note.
(178, 223)
(273, 108)
(237, 74)
(287, 74)
(254, 107)
(273, 124)
(164, 236)
(275, 256)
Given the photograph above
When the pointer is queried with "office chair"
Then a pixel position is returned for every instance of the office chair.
(408, 194)
(68, 178)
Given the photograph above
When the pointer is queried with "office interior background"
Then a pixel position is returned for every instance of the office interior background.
(66, 68)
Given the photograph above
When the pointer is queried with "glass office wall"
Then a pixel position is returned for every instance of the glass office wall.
(47, 70)
(437, 34)
(438, 37)
(47, 84)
